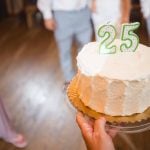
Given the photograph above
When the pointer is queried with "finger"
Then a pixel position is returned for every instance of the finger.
(85, 127)
(82, 121)
(90, 121)
(99, 126)
(48, 28)
(53, 26)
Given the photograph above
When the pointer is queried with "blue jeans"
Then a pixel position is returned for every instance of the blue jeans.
(148, 26)
(71, 25)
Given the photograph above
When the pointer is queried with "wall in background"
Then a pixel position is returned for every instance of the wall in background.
(3, 11)
(14, 6)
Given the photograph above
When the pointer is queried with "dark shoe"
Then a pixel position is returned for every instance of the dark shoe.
(65, 86)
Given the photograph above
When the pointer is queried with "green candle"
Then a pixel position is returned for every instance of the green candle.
(107, 33)
(130, 40)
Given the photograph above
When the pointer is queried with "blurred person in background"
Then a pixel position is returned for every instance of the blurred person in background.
(68, 19)
(114, 12)
(145, 5)
(7, 132)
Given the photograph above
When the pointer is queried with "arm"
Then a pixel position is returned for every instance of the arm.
(45, 6)
(93, 5)
(125, 8)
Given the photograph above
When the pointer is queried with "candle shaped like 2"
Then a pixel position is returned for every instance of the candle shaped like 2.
(107, 33)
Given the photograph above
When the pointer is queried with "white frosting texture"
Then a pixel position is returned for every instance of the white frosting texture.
(114, 84)
(122, 65)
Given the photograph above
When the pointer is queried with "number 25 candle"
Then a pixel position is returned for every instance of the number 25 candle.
(107, 34)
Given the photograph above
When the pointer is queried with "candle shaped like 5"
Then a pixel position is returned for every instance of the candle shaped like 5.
(129, 38)
(107, 34)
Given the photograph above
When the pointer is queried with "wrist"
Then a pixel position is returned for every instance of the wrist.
(125, 20)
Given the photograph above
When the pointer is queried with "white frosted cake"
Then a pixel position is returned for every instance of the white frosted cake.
(114, 84)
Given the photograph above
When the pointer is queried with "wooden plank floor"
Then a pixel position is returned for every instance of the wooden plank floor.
(31, 86)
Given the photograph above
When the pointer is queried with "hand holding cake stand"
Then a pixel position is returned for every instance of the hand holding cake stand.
(113, 80)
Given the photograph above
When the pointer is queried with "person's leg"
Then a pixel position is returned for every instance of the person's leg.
(97, 38)
(7, 131)
(97, 20)
(64, 38)
(66, 58)
(83, 33)
(148, 26)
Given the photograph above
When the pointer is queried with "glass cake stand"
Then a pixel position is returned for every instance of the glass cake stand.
(136, 127)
